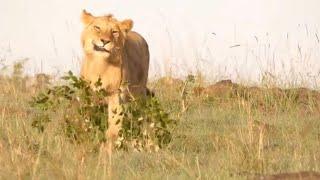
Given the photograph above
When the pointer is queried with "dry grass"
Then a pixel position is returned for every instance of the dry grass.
(227, 132)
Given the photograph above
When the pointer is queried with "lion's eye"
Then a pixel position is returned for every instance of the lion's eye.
(97, 28)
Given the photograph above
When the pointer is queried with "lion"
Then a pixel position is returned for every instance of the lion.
(119, 57)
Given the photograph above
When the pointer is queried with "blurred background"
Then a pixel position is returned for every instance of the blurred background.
(242, 40)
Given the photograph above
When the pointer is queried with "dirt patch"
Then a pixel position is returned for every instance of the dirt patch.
(266, 99)
(291, 176)
(228, 87)
(224, 88)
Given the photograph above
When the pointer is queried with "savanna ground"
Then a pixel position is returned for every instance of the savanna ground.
(223, 131)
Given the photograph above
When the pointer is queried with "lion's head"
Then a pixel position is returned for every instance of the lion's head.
(104, 36)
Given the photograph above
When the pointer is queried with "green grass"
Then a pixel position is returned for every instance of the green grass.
(218, 137)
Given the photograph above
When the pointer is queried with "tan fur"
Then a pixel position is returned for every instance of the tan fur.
(118, 56)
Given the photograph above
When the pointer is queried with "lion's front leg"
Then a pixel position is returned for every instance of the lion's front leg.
(115, 117)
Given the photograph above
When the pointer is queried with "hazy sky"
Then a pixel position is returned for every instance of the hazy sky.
(279, 36)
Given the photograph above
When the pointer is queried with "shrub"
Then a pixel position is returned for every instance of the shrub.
(146, 126)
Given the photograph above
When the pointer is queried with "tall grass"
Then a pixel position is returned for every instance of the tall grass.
(226, 132)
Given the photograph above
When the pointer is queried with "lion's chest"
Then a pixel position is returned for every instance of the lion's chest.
(110, 75)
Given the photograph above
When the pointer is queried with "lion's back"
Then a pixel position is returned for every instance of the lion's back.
(137, 58)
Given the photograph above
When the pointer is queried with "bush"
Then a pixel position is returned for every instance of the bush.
(146, 126)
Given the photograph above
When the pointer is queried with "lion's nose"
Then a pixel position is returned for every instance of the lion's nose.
(104, 41)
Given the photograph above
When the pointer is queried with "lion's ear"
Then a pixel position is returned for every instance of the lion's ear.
(126, 25)
(86, 17)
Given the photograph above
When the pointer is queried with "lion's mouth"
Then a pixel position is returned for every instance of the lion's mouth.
(98, 48)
